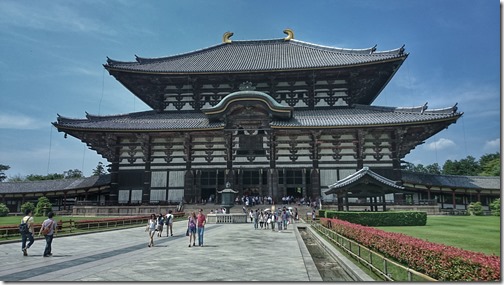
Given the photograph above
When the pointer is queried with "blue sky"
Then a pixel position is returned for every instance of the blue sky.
(52, 54)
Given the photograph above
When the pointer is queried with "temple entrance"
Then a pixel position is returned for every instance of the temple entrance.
(208, 195)
(296, 192)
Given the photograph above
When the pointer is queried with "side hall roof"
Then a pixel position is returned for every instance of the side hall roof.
(54, 185)
(357, 116)
(452, 181)
(258, 56)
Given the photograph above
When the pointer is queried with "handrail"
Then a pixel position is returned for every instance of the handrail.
(339, 241)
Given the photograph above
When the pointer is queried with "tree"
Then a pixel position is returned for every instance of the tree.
(75, 173)
(490, 165)
(475, 209)
(38, 177)
(27, 206)
(43, 206)
(99, 170)
(466, 166)
(495, 207)
(433, 168)
(3, 168)
(4, 210)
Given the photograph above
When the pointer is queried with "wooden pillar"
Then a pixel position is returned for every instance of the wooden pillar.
(346, 202)
(478, 195)
(64, 200)
(384, 203)
(454, 204)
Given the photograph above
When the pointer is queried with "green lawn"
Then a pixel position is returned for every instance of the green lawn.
(474, 233)
(15, 220)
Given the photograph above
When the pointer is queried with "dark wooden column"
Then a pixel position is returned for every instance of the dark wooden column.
(145, 143)
(189, 175)
(314, 192)
(454, 203)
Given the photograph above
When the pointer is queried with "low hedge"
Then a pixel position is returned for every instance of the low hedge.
(442, 262)
(377, 219)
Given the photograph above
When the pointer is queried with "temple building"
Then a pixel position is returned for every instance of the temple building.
(272, 117)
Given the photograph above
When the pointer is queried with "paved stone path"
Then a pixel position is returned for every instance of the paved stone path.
(234, 252)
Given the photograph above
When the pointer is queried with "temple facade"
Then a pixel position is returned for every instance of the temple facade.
(272, 117)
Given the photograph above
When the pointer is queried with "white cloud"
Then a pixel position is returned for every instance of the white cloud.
(8, 121)
(492, 145)
(440, 144)
(50, 17)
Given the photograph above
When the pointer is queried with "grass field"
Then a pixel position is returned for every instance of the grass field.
(15, 220)
(474, 233)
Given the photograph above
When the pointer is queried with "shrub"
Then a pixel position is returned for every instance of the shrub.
(475, 209)
(43, 206)
(495, 207)
(444, 263)
(27, 206)
(377, 219)
(3, 210)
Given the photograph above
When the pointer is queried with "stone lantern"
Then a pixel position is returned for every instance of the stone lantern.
(227, 197)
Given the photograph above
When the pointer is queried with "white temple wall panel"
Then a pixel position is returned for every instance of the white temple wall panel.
(176, 179)
(158, 179)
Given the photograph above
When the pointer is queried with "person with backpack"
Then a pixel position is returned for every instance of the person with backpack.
(26, 229)
(169, 223)
(49, 229)
(159, 226)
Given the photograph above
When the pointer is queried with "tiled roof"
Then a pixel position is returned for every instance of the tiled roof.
(454, 181)
(361, 115)
(358, 175)
(258, 55)
(54, 185)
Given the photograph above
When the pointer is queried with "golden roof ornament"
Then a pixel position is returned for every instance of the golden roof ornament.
(289, 33)
(226, 37)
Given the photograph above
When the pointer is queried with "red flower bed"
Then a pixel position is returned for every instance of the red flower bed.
(444, 263)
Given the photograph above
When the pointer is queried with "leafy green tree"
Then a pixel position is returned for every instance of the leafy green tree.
(475, 209)
(466, 166)
(3, 168)
(433, 168)
(43, 206)
(73, 173)
(4, 210)
(99, 170)
(495, 207)
(490, 164)
(37, 177)
(26, 206)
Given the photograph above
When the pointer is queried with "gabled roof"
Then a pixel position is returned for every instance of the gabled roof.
(359, 116)
(258, 55)
(452, 181)
(247, 96)
(54, 185)
(363, 176)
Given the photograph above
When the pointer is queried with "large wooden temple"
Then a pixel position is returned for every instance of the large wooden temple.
(272, 117)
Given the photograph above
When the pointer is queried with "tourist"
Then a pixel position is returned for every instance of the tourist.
(159, 226)
(28, 235)
(285, 218)
(279, 220)
(251, 215)
(201, 219)
(256, 219)
(261, 219)
(52, 226)
(151, 228)
(169, 223)
(191, 228)
(273, 220)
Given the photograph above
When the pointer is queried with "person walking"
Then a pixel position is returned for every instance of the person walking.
(159, 226)
(191, 228)
(28, 234)
(151, 228)
(256, 219)
(169, 223)
(201, 219)
(49, 229)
